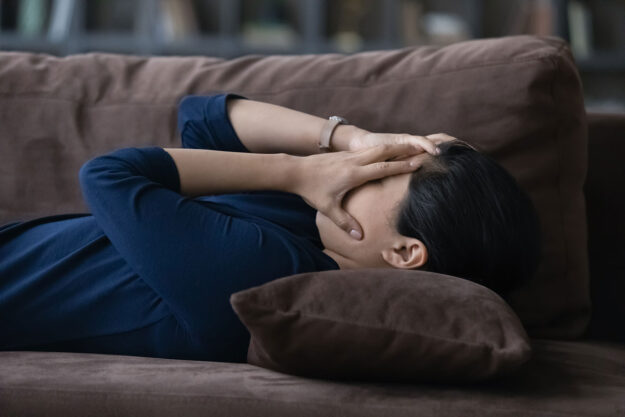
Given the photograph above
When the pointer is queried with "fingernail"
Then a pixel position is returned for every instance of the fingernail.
(412, 163)
(438, 150)
(355, 234)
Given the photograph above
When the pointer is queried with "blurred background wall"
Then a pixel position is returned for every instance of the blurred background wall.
(595, 29)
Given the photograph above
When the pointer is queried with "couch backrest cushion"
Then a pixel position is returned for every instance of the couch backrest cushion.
(518, 99)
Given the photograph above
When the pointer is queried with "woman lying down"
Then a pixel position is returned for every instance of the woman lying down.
(257, 192)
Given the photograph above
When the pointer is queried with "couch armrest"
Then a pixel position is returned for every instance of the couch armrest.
(605, 201)
(606, 124)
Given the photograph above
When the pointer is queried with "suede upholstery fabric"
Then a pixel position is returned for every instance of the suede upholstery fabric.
(56, 113)
(562, 378)
(517, 98)
(369, 324)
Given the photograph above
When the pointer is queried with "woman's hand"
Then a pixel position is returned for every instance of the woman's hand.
(322, 180)
(356, 139)
(439, 138)
(361, 139)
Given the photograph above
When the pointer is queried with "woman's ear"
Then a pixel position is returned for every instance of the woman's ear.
(406, 253)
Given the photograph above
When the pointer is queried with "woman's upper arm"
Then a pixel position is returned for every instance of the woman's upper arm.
(192, 256)
(203, 123)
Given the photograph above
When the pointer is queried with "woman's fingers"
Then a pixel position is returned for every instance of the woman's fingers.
(387, 151)
(439, 138)
(425, 143)
(372, 139)
(421, 143)
(379, 163)
(345, 221)
(385, 168)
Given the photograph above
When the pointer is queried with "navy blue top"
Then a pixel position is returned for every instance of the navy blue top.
(150, 272)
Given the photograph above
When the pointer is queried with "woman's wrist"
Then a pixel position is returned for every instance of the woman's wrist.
(343, 135)
(292, 173)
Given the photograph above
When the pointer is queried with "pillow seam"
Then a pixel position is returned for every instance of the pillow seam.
(420, 334)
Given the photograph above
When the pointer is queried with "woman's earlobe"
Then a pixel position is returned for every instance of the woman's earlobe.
(423, 255)
(409, 254)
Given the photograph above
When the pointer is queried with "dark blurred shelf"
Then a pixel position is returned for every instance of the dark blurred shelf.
(309, 23)
(236, 46)
(13, 40)
(602, 62)
(109, 42)
(315, 26)
(308, 20)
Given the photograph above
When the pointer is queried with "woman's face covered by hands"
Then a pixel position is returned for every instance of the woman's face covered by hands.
(374, 205)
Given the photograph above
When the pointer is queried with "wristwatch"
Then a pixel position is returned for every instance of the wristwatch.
(326, 132)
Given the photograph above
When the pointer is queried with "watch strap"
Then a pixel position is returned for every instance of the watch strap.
(326, 132)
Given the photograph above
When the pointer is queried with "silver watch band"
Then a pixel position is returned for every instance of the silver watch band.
(326, 132)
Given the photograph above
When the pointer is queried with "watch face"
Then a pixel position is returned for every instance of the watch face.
(339, 118)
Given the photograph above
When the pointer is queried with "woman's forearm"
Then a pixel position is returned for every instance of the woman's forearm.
(205, 172)
(269, 128)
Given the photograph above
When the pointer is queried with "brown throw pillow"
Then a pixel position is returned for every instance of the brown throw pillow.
(369, 324)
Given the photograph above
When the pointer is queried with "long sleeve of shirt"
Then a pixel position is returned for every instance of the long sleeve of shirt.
(181, 248)
(149, 271)
(203, 123)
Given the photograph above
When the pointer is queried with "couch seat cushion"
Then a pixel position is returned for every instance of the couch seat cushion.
(562, 379)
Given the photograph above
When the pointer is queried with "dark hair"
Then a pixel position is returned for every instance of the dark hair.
(474, 219)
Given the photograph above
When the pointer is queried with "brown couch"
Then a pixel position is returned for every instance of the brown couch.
(517, 98)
